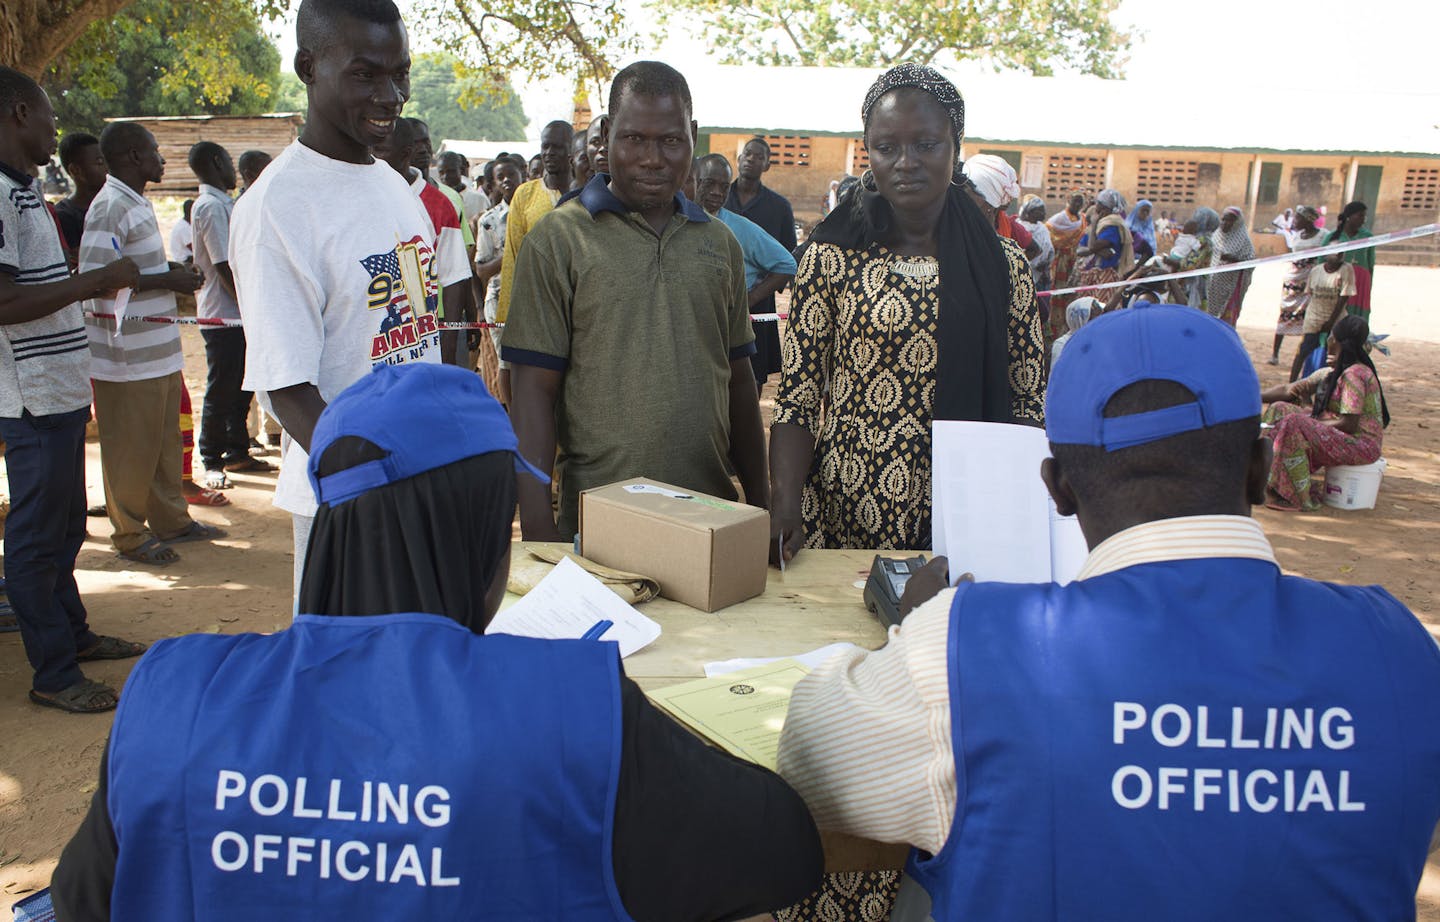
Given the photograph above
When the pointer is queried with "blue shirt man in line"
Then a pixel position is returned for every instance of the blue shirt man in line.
(769, 267)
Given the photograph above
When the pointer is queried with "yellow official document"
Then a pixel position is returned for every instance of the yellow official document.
(742, 712)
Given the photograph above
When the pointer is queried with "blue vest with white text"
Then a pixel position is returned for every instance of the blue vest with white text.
(1190, 740)
(386, 767)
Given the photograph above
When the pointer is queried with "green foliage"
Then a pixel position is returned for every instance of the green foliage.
(457, 104)
(166, 57)
(289, 93)
(1035, 35)
(495, 39)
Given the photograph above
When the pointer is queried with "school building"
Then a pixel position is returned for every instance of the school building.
(1316, 145)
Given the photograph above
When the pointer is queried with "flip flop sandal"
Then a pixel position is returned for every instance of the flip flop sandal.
(84, 697)
(207, 497)
(198, 531)
(97, 512)
(111, 648)
(216, 480)
(152, 552)
(1280, 506)
(251, 466)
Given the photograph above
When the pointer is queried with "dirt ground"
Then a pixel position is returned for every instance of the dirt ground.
(49, 760)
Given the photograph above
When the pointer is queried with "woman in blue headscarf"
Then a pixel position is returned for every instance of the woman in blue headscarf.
(1142, 230)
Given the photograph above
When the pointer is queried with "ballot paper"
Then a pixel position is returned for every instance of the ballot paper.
(742, 712)
(570, 602)
(810, 661)
(992, 516)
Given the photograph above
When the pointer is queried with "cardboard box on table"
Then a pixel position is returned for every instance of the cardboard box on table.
(704, 551)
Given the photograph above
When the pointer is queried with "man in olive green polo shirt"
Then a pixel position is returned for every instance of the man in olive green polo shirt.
(629, 331)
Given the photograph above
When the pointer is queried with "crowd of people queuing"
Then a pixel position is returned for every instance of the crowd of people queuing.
(624, 272)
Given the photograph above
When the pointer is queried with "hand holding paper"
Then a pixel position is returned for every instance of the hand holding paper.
(992, 515)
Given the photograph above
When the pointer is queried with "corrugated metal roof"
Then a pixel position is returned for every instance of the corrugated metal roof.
(1273, 112)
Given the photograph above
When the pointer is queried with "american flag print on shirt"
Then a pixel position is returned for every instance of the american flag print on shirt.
(406, 326)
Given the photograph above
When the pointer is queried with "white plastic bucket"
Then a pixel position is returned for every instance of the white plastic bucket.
(1353, 487)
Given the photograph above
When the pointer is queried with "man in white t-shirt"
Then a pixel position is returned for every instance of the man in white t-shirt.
(330, 286)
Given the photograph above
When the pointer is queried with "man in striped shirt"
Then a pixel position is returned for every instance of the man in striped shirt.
(136, 368)
(44, 406)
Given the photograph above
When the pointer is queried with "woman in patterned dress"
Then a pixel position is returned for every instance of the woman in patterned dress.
(877, 347)
(1107, 250)
(1225, 293)
(1067, 227)
(1343, 424)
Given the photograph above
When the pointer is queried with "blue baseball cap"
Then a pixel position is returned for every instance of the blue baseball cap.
(1167, 342)
(423, 416)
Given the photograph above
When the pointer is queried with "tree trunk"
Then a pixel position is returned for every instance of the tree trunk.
(34, 32)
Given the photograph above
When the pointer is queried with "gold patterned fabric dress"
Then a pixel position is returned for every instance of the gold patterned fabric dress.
(860, 357)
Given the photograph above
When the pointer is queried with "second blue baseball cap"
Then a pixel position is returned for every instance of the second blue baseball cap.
(1165, 342)
(423, 416)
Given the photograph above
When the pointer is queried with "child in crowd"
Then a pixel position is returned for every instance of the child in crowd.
(1186, 245)
(1329, 287)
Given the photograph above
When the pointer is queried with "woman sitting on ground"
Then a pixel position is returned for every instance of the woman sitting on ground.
(1344, 423)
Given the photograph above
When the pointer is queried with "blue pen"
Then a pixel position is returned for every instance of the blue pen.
(597, 630)
(115, 242)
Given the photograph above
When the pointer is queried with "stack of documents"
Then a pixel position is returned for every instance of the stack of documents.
(741, 712)
(570, 604)
(992, 516)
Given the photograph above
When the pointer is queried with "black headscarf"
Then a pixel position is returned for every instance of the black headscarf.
(973, 371)
(431, 543)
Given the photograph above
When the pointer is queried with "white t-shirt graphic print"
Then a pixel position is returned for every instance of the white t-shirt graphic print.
(334, 275)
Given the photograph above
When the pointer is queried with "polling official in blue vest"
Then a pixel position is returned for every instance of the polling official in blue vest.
(384, 760)
(1184, 732)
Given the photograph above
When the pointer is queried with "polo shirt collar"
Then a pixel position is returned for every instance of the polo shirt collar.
(125, 190)
(597, 197)
(21, 178)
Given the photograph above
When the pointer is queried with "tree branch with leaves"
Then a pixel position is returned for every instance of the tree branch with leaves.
(497, 39)
(1032, 35)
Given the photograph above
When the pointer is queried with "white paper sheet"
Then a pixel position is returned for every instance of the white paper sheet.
(569, 602)
(122, 304)
(811, 660)
(1068, 549)
(989, 501)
